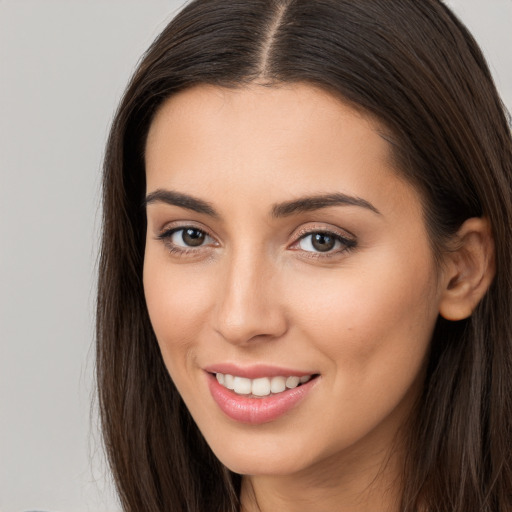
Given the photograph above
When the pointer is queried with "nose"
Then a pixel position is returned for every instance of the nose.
(249, 306)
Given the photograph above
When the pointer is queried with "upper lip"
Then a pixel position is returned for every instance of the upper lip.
(255, 371)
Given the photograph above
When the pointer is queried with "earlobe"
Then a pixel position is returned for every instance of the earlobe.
(469, 269)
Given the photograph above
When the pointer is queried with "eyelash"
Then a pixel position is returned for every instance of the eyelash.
(348, 244)
(166, 236)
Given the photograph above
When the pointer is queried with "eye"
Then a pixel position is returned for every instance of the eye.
(188, 237)
(182, 239)
(324, 242)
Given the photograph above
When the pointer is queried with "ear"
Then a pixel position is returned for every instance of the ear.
(469, 269)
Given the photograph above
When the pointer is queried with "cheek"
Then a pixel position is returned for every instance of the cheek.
(373, 328)
(366, 317)
(177, 301)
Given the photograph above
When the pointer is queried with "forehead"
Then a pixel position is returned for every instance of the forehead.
(269, 143)
(262, 114)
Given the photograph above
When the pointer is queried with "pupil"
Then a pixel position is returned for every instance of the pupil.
(322, 242)
(193, 237)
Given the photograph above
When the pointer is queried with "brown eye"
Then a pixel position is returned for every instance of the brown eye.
(323, 242)
(183, 238)
(192, 237)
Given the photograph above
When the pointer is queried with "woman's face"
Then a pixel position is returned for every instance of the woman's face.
(282, 244)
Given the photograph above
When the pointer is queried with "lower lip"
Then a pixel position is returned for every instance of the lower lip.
(257, 410)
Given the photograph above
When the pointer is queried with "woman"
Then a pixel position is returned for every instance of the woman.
(305, 280)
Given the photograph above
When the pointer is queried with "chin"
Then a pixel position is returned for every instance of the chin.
(264, 454)
(254, 465)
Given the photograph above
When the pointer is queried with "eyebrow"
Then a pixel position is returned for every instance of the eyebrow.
(311, 203)
(285, 209)
(182, 200)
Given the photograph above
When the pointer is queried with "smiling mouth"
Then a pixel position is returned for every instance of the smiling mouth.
(261, 387)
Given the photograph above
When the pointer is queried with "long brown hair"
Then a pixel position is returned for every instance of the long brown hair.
(413, 66)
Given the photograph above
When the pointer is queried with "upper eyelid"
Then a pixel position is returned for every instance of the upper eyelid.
(170, 228)
(167, 233)
(328, 233)
(339, 232)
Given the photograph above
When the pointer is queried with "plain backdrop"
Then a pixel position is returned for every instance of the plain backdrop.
(63, 67)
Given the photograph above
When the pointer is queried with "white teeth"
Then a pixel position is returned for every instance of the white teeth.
(229, 381)
(292, 382)
(242, 386)
(262, 386)
(277, 384)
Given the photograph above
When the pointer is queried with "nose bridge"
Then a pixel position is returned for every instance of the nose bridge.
(248, 304)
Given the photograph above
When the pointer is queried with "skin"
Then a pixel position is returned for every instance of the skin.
(256, 291)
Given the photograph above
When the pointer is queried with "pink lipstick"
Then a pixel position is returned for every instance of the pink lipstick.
(247, 408)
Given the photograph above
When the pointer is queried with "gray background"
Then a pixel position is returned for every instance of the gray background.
(63, 67)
